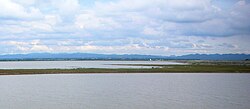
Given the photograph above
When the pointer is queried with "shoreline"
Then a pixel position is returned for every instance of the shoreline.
(164, 69)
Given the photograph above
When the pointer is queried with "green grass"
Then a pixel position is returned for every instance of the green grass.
(165, 69)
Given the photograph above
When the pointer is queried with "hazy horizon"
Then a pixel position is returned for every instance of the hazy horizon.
(122, 53)
(151, 27)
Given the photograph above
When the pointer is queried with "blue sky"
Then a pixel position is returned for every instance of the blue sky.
(156, 27)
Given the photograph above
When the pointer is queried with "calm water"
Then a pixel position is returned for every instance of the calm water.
(76, 64)
(125, 91)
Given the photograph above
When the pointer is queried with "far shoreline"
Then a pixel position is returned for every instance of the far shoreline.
(164, 69)
(188, 66)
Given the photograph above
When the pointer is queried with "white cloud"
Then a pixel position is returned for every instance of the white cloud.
(66, 7)
(52, 19)
(25, 2)
(151, 31)
(26, 47)
(12, 10)
(92, 21)
(125, 26)
(127, 49)
(40, 48)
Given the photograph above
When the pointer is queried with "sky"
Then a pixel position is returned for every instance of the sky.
(153, 27)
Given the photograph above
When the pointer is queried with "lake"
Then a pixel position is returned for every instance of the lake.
(125, 91)
(76, 64)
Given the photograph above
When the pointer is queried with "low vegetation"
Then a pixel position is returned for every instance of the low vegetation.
(163, 69)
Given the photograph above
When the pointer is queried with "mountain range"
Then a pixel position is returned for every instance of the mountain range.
(92, 56)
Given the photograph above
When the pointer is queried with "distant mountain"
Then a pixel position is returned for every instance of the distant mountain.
(77, 56)
(91, 56)
(215, 57)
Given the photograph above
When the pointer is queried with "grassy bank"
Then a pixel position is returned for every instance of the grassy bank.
(165, 69)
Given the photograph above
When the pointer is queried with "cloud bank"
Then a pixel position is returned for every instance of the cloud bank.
(159, 27)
